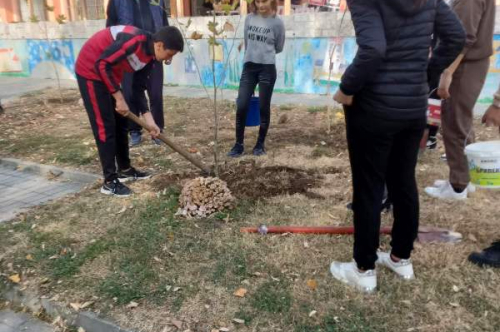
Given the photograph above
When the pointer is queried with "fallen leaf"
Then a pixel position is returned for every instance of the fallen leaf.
(80, 329)
(29, 257)
(76, 306)
(192, 150)
(306, 244)
(456, 289)
(223, 329)
(132, 305)
(472, 238)
(214, 330)
(454, 304)
(312, 284)
(177, 323)
(195, 35)
(15, 278)
(238, 321)
(228, 27)
(157, 259)
(87, 304)
(123, 209)
(58, 321)
(241, 292)
(176, 289)
(312, 313)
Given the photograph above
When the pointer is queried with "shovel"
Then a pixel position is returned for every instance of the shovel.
(426, 234)
(171, 144)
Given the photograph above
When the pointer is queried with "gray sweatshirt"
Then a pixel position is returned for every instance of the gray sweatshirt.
(264, 38)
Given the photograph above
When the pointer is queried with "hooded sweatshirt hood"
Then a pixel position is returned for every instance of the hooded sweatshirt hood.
(406, 7)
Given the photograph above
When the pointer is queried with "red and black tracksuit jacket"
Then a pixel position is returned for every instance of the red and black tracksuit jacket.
(100, 66)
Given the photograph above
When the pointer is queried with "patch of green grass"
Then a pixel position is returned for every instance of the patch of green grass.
(139, 240)
(245, 314)
(317, 109)
(330, 323)
(286, 107)
(242, 209)
(164, 163)
(68, 150)
(231, 267)
(272, 297)
(321, 151)
(69, 264)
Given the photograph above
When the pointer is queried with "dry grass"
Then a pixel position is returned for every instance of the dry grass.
(113, 251)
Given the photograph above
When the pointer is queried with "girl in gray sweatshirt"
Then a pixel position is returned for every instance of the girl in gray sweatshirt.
(264, 38)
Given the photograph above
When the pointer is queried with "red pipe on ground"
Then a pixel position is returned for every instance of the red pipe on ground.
(334, 230)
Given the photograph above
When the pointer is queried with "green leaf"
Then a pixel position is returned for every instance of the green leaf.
(226, 8)
(235, 4)
(212, 41)
(61, 19)
(189, 23)
(212, 26)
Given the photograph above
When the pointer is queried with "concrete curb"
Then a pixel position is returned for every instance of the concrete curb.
(46, 170)
(87, 320)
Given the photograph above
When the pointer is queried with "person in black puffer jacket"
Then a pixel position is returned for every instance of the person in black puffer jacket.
(384, 92)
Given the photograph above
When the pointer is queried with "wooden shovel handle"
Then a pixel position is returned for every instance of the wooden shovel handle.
(171, 144)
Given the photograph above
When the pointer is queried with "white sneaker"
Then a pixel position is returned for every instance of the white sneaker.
(446, 192)
(441, 183)
(349, 274)
(403, 268)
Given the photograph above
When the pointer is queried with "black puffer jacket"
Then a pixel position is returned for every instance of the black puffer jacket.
(388, 76)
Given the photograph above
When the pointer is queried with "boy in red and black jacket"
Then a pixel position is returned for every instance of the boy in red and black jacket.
(100, 66)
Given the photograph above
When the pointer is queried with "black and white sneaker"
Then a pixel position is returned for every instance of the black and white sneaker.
(115, 188)
(431, 143)
(132, 175)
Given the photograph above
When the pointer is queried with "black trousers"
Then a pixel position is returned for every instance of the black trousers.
(253, 74)
(383, 152)
(110, 128)
(155, 94)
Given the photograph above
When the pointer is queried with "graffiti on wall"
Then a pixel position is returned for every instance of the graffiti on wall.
(47, 56)
(302, 67)
(493, 78)
(9, 61)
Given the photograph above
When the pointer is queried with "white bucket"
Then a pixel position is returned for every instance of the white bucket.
(484, 164)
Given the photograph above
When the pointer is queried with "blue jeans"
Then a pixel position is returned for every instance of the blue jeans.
(253, 74)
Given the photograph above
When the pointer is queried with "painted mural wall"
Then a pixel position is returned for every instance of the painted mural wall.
(303, 66)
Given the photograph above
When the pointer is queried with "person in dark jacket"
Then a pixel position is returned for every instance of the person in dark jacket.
(385, 92)
(148, 17)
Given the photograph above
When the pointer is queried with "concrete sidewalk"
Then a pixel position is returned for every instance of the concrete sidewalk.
(25, 185)
(16, 86)
(11, 321)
